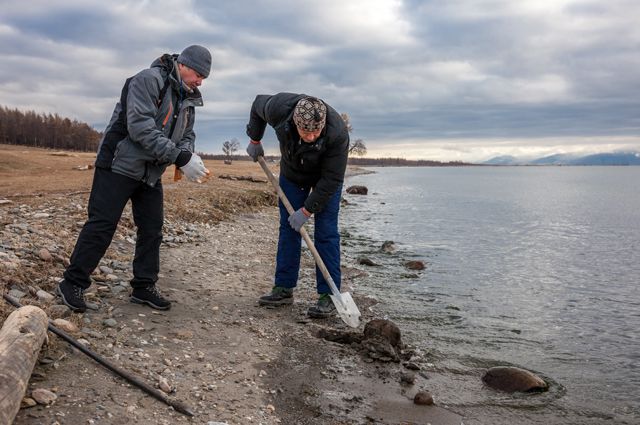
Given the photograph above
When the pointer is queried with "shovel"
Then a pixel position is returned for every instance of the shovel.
(346, 308)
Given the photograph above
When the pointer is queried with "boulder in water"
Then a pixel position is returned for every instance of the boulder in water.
(357, 190)
(414, 265)
(513, 379)
(388, 246)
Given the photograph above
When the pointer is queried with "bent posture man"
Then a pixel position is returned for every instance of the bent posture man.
(314, 143)
(150, 128)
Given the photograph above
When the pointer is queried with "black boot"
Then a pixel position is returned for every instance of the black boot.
(151, 296)
(72, 296)
(277, 296)
(323, 308)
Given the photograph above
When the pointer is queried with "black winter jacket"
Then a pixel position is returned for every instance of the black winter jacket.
(321, 164)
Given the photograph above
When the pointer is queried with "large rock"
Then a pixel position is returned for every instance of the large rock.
(357, 190)
(385, 330)
(512, 379)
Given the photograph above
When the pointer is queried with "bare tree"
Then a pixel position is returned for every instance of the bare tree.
(356, 147)
(229, 147)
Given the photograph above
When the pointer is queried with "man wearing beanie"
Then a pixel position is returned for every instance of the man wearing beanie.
(314, 143)
(151, 128)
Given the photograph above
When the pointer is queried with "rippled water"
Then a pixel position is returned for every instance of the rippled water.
(532, 266)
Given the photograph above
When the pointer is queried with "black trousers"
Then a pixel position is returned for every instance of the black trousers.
(109, 195)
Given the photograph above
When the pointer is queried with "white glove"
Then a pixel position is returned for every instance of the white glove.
(194, 170)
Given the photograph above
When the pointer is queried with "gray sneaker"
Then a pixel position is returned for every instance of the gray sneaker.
(323, 308)
(278, 296)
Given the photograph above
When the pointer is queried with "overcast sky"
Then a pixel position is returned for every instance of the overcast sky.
(446, 80)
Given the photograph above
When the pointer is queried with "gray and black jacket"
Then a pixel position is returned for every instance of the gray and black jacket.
(153, 127)
(321, 164)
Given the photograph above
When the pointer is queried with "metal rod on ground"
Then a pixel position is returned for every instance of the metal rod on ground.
(177, 405)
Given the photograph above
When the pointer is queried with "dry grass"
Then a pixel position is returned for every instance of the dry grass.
(42, 178)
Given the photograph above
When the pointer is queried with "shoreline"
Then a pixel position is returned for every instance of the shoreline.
(228, 359)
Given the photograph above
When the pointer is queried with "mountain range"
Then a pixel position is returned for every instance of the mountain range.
(610, 158)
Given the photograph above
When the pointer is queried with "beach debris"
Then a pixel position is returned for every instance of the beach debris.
(414, 265)
(83, 167)
(388, 246)
(357, 190)
(246, 178)
(513, 379)
(340, 336)
(61, 153)
(423, 398)
(367, 262)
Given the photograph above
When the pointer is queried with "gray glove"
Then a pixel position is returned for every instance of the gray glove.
(298, 218)
(194, 170)
(255, 150)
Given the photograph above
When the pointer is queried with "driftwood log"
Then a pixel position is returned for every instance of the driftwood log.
(21, 338)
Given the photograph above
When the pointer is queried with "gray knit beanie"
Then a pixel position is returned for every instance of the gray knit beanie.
(197, 58)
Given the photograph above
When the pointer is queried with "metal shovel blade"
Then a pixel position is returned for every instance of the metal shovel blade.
(347, 309)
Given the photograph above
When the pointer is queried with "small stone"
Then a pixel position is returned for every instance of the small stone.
(17, 294)
(411, 366)
(164, 385)
(44, 296)
(271, 408)
(27, 402)
(388, 246)
(45, 255)
(106, 270)
(65, 325)
(366, 262)
(59, 311)
(110, 323)
(423, 398)
(42, 396)
(408, 378)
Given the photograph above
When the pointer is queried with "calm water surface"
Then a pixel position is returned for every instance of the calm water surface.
(536, 267)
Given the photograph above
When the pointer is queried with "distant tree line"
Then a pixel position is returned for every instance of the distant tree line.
(46, 131)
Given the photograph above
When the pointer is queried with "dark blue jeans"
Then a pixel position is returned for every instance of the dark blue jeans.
(326, 238)
(109, 195)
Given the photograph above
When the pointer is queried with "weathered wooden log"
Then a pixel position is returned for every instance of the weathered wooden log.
(21, 338)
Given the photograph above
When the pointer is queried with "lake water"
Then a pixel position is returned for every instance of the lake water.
(536, 267)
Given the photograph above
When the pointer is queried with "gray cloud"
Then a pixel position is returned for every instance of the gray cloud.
(411, 74)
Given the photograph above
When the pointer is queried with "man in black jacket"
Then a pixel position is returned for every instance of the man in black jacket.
(314, 144)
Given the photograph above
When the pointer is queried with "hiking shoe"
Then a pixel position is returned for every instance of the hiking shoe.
(278, 296)
(72, 296)
(323, 308)
(150, 296)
